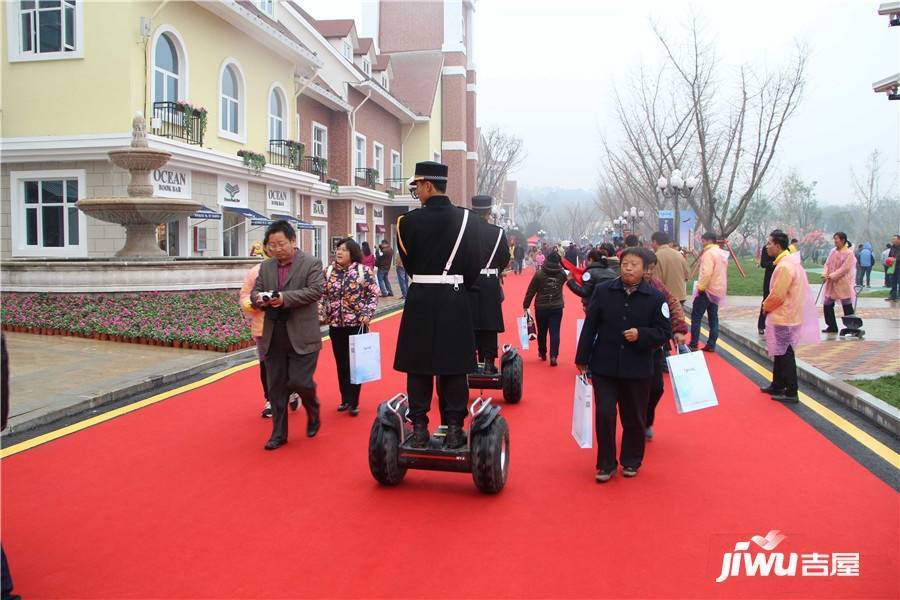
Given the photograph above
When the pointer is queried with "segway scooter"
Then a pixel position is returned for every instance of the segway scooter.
(508, 379)
(485, 455)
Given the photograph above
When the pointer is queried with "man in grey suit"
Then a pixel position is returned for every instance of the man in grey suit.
(291, 340)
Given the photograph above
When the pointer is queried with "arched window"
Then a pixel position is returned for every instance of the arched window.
(166, 70)
(276, 116)
(231, 100)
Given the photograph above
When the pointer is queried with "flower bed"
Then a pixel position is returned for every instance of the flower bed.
(200, 320)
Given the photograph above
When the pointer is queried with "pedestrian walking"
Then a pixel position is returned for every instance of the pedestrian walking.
(347, 305)
(839, 275)
(671, 268)
(546, 289)
(627, 320)
(291, 340)
(257, 319)
(368, 257)
(679, 335)
(519, 254)
(402, 277)
(440, 248)
(383, 266)
(712, 287)
(865, 260)
(891, 261)
(597, 272)
(888, 278)
(791, 318)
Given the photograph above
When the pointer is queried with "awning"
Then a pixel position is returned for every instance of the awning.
(362, 228)
(380, 229)
(297, 223)
(206, 213)
(256, 219)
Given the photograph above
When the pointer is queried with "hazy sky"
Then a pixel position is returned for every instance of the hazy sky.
(546, 70)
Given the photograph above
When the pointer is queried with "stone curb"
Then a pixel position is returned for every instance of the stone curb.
(44, 417)
(866, 405)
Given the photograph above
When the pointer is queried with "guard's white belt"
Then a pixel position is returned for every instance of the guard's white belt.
(438, 279)
(490, 272)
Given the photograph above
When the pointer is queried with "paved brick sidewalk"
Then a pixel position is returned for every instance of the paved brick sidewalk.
(877, 354)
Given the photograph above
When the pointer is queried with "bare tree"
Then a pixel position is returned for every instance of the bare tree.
(683, 116)
(797, 203)
(529, 215)
(871, 205)
(499, 154)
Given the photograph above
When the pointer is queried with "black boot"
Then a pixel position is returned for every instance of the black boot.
(830, 319)
(420, 436)
(456, 437)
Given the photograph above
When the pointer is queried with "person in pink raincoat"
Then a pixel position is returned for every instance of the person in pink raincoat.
(839, 276)
(791, 318)
(712, 287)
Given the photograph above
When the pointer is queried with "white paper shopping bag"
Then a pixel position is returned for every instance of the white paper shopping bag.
(579, 324)
(691, 383)
(583, 412)
(522, 323)
(365, 358)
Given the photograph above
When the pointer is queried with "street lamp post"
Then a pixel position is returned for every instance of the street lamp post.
(675, 187)
(634, 214)
(620, 223)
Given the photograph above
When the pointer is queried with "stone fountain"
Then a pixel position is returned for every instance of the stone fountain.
(141, 212)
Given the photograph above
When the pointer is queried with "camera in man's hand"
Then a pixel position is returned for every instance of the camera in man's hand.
(266, 297)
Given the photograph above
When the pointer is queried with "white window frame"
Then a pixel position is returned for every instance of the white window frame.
(356, 138)
(396, 173)
(285, 122)
(348, 50)
(366, 65)
(18, 237)
(181, 51)
(385, 82)
(377, 164)
(241, 135)
(262, 4)
(322, 128)
(14, 41)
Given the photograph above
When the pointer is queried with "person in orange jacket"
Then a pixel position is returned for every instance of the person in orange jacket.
(712, 287)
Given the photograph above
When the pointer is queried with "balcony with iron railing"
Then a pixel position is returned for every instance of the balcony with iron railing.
(395, 183)
(285, 153)
(367, 177)
(315, 165)
(179, 121)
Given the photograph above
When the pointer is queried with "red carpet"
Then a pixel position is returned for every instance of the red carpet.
(179, 500)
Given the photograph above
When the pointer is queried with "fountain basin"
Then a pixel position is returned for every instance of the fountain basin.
(139, 159)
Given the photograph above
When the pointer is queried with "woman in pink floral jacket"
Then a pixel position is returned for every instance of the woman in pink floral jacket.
(347, 305)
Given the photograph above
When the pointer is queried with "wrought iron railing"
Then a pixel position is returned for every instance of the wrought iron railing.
(315, 165)
(285, 153)
(177, 121)
(368, 176)
(395, 183)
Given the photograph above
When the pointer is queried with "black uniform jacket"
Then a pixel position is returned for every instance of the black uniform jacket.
(436, 332)
(612, 311)
(486, 298)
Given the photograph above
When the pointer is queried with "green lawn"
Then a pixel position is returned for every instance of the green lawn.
(752, 285)
(886, 388)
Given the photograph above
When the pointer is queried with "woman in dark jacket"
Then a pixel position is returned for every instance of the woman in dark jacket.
(596, 273)
(547, 284)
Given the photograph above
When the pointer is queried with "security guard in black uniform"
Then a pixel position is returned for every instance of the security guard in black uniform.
(440, 249)
(486, 297)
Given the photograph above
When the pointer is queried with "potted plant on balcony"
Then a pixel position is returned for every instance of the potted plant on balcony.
(252, 160)
(295, 153)
(334, 186)
(372, 177)
(188, 112)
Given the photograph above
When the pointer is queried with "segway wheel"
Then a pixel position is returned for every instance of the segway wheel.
(490, 456)
(511, 380)
(384, 448)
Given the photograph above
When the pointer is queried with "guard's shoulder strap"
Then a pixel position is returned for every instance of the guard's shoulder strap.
(462, 230)
(496, 245)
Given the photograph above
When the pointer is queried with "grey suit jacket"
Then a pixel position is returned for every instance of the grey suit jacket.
(301, 293)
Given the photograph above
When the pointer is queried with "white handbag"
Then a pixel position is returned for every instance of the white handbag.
(583, 412)
(365, 357)
(691, 384)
